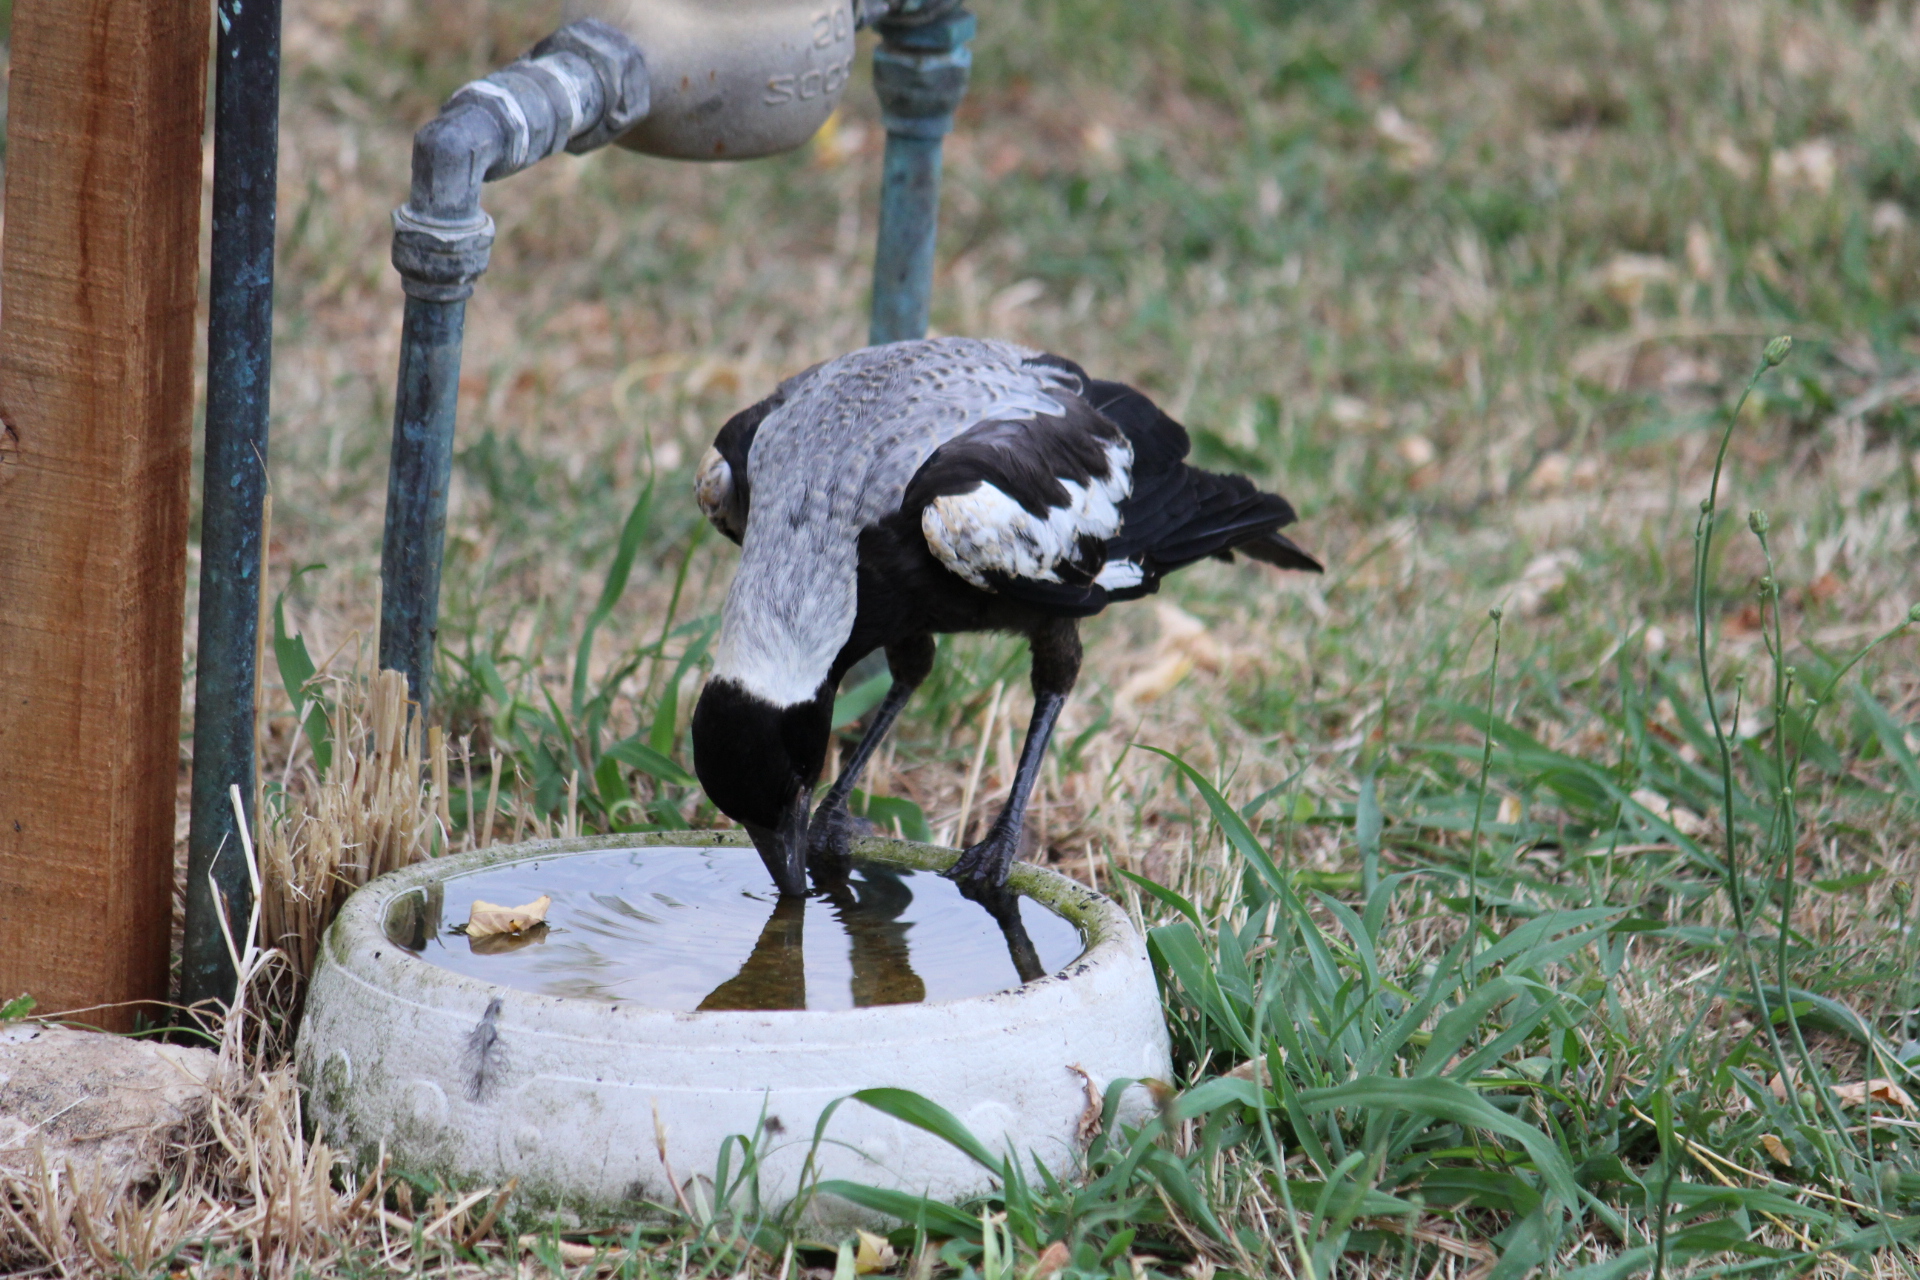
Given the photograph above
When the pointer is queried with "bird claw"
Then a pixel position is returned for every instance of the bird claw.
(986, 865)
(830, 843)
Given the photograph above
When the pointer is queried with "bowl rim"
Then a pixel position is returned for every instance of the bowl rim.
(1109, 938)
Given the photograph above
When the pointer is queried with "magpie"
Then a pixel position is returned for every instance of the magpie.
(919, 488)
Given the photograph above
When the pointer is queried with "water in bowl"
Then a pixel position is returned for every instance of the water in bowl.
(703, 928)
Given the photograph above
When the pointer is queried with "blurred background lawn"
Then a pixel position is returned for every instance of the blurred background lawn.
(1469, 282)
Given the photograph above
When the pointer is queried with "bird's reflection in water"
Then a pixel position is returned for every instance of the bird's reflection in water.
(869, 909)
(1003, 904)
(774, 976)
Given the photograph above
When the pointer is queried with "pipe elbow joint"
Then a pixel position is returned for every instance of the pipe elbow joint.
(578, 89)
(442, 239)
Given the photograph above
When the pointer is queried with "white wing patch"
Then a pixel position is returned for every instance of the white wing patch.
(985, 532)
(1118, 575)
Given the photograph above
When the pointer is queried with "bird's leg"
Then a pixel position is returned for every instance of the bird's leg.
(1056, 665)
(830, 835)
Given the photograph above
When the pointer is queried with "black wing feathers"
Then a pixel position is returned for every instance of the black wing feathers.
(1174, 515)
(1026, 460)
(1178, 514)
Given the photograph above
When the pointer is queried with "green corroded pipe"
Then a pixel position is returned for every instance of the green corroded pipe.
(920, 74)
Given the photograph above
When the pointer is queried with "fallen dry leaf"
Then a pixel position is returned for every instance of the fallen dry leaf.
(490, 918)
(1053, 1258)
(1679, 817)
(1776, 1149)
(1625, 277)
(1544, 575)
(1157, 680)
(1855, 1094)
(1183, 645)
(498, 944)
(1089, 1126)
(874, 1254)
(571, 1254)
(1416, 451)
(1860, 1091)
(1811, 166)
(1408, 146)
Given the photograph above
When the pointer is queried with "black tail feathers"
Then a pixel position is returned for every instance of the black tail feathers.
(1277, 549)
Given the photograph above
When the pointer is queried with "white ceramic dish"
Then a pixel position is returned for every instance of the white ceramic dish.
(478, 1083)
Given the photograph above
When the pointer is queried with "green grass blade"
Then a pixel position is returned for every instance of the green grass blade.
(1892, 736)
(923, 1113)
(1367, 825)
(1633, 1262)
(860, 699)
(1166, 896)
(940, 1219)
(1445, 1100)
(666, 715)
(632, 534)
(1464, 1021)
(634, 752)
(884, 811)
(1232, 825)
(297, 671)
(1221, 1091)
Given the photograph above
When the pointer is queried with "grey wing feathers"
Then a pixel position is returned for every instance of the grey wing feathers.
(832, 459)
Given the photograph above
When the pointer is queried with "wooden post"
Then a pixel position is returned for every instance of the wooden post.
(97, 279)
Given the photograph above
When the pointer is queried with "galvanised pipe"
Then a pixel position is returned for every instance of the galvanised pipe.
(246, 144)
(422, 465)
(748, 78)
(920, 74)
(579, 88)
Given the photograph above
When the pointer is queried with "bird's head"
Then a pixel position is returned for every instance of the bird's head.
(758, 763)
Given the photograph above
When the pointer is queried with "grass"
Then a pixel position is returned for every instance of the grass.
(1476, 959)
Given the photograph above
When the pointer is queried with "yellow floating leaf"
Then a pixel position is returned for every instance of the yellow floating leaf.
(490, 918)
(1776, 1149)
(498, 944)
(874, 1254)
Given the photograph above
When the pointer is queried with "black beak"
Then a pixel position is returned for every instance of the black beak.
(784, 848)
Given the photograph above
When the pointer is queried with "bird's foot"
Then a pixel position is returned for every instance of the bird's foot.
(830, 839)
(986, 864)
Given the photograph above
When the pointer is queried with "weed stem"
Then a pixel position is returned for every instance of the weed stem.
(1480, 804)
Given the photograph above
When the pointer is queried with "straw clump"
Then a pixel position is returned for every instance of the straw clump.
(374, 810)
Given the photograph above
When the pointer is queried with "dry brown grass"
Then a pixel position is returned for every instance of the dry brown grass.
(378, 808)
